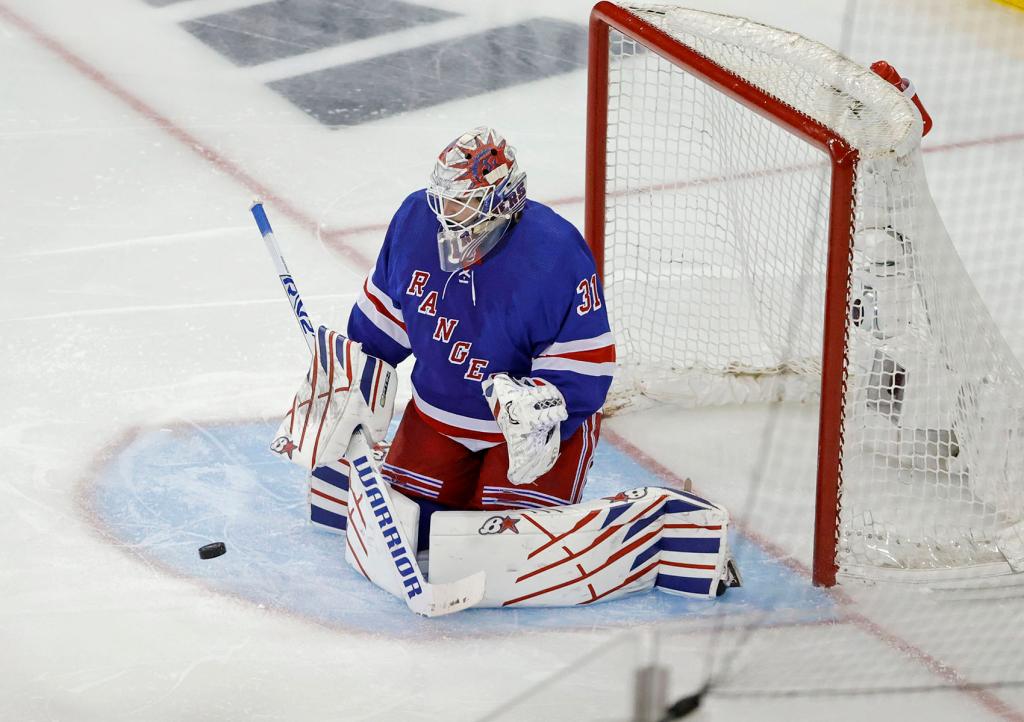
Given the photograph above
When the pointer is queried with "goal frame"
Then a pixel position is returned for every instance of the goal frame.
(843, 159)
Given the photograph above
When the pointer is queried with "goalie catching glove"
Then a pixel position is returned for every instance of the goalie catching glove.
(529, 412)
(344, 390)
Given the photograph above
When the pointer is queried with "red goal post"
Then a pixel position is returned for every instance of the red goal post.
(843, 158)
(893, 142)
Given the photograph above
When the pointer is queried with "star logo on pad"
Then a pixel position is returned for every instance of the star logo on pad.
(283, 445)
(629, 495)
(499, 525)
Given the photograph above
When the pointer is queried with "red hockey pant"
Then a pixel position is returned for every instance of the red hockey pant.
(426, 464)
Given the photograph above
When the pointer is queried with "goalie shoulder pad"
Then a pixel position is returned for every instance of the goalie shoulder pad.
(345, 389)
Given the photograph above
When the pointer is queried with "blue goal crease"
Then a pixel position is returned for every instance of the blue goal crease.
(169, 492)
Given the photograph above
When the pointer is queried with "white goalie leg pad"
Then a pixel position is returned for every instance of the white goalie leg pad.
(328, 492)
(328, 496)
(344, 390)
(599, 550)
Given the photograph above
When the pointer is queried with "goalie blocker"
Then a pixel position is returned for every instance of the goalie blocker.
(344, 390)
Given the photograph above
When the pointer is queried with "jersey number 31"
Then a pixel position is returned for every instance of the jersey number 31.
(587, 288)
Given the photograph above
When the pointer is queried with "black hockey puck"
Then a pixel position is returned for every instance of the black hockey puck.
(212, 550)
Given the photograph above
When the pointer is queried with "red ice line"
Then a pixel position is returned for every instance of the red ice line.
(987, 699)
(331, 237)
(190, 141)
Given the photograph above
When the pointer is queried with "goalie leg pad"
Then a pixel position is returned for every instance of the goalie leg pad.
(694, 549)
(579, 554)
(328, 496)
(381, 542)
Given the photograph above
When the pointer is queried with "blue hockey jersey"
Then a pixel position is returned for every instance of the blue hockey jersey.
(533, 306)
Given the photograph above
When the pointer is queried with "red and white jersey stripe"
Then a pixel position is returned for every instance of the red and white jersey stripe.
(474, 434)
(383, 313)
(593, 356)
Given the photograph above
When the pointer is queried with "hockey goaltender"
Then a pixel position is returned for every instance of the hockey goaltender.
(498, 300)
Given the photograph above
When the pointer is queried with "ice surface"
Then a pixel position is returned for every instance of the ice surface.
(147, 353)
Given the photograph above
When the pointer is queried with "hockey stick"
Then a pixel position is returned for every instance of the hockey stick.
(391, 545)
(430, 600)
(285, 276)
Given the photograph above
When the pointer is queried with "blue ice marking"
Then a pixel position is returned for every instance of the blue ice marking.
(168, 492)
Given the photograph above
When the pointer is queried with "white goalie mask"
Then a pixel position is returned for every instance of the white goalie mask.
(475, 191)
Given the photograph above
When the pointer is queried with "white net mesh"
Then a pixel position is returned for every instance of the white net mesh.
(716, 232)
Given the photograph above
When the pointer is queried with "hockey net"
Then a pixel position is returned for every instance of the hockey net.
(767, 235)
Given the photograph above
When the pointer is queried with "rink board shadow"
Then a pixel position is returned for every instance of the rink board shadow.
(169, 491)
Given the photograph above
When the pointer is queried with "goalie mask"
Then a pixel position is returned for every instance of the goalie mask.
(475, 191)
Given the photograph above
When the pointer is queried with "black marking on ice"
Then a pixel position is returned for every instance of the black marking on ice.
(285, 28)
(439, 72)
